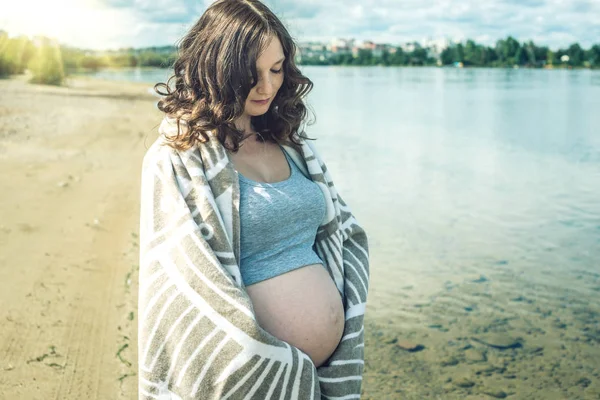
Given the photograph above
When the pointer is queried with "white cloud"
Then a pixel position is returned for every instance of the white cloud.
(119, 23)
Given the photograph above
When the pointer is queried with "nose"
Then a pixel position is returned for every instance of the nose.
(264, 85)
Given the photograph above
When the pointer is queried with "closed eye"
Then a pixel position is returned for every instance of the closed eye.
(278, 71)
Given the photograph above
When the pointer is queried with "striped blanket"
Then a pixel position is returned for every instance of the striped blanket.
(198, 335)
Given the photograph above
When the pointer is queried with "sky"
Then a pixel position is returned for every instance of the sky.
(112, 24)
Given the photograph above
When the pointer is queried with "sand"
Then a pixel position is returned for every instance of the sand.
(69, 171)
(70, 162)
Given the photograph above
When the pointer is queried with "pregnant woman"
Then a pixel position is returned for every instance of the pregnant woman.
(253, 237)
(280, 211)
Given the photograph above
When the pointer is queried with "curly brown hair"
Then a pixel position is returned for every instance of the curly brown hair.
(215, 70)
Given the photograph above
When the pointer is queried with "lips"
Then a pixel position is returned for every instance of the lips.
(261, 101)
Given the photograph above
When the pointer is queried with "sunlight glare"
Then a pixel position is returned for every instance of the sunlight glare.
(64, 20)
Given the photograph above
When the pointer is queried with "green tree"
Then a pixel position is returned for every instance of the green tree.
(541, 54)
(419, 57)
(364, 57)
(551, 58)
(122, 60)
(507, 50)
(594, 56)
(459, 53)
(71, 58)
(20, 50)
(399, 57)
(471, 56)
(530, 53)
(521, 56)
(385, 58)
(576, 55)
(7, 62)
(447, 56)
(92, 62)
(153, 59)
(47, 65)
(490, 56)
(15, 53)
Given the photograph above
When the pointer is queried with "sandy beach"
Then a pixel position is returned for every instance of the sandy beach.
(70, 160)
(69, 169)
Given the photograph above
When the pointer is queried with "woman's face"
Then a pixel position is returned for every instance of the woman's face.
(270, 77)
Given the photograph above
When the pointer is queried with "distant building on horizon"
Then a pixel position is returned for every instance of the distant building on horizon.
(351, 46)
(341, 46)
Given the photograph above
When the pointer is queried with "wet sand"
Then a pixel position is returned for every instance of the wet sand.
(498, 333)
(70, 161)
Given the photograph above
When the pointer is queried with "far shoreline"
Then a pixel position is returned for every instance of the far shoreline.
(168, 72)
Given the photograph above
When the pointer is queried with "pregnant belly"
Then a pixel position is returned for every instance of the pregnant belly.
(303, 308)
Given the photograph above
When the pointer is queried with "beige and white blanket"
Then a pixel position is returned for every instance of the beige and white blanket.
(198, 335)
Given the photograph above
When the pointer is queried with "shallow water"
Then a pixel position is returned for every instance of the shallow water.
(479, 190)
(480, 193)
(457, 173)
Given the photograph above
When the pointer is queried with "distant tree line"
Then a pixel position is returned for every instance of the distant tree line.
(509, 52)
(49, 62)
(366, 57)
(506, 53)
(158, 57)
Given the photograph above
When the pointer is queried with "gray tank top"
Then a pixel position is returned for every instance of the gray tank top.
(278, 223)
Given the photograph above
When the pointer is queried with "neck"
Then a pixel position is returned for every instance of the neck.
(244, 123)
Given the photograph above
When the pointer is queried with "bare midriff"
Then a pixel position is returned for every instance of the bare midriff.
(303, 308)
